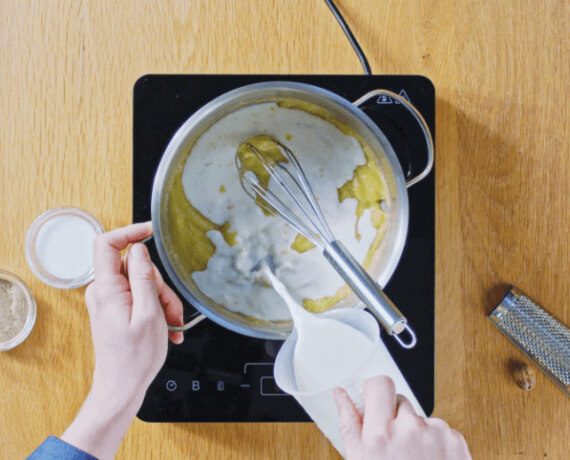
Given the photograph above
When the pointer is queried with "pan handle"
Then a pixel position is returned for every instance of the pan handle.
(194, 319)
(419, 118)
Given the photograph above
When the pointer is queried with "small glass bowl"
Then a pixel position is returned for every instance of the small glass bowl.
(32, 247)
(32, 311)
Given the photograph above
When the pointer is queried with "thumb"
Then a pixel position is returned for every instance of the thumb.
(350, 423)
(142, 280)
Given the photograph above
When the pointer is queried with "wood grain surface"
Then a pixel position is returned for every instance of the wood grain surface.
(501, 72)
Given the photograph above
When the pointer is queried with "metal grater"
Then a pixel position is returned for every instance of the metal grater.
(537, 334)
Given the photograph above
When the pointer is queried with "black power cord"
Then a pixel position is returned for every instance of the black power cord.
(350, 36)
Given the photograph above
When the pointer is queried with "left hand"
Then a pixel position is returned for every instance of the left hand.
(129, 315)
(130, 337)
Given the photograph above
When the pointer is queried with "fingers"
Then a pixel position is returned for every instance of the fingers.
(453, 441)
(103, 294)
(173, 312)
(406, 416)
(143, 283)
(350, 422)
(404, 406)
(159, 280)
(106, 257)
(438, 423)
(461, 446)
(379, 408)
(172, 305)
(173, 309)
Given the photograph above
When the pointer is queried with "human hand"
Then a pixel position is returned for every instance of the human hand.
(391, 429)
(129, 317)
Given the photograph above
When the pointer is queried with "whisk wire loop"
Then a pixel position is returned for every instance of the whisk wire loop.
(323, 234)
(305, 186)
(276, 206)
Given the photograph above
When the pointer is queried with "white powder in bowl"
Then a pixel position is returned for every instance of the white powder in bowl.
(64, 246)
(59, 247)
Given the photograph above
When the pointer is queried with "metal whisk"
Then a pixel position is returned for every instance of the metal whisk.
(292, 198)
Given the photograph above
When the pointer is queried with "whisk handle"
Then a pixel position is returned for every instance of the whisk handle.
(392, 320)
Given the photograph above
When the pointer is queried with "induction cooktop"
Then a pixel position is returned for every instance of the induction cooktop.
(220, 376)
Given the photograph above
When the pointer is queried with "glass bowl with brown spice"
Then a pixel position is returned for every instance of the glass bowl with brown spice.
(17, 310)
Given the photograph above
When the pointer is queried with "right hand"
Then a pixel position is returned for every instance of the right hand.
(391, 429)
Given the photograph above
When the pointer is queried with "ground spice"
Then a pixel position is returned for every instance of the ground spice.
(13, 310)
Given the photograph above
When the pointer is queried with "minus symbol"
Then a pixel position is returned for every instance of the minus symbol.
(245, 385)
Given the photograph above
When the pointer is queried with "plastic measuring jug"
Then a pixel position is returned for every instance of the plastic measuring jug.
(319, 404)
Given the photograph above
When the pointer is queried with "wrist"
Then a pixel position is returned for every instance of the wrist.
(114, 396)
(103, 419)
(113, 401)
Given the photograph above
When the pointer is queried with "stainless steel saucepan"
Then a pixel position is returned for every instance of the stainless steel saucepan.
(397, 211)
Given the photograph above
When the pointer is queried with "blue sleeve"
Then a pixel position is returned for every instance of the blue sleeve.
(54, 448)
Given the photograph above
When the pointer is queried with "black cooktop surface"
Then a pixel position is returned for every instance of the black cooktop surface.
(219, 376)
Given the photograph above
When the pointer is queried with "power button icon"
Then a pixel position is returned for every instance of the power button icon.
(171, 385)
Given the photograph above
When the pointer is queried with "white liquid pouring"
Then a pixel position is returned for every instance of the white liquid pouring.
(327, 351)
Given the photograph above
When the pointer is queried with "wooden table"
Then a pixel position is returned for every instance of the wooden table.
(501, 74)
